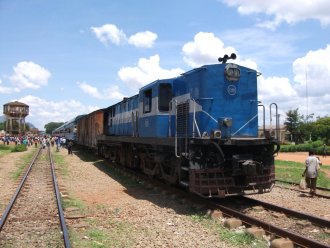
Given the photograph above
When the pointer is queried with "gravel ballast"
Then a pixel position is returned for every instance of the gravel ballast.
(105, 209)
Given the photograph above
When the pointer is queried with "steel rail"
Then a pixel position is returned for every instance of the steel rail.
(296, 238)
(59, 205)
(294, 183)
(302, 191)
(312, 218)
(13, 199)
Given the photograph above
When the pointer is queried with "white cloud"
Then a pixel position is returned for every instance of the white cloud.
(112, 92)
(206, 48)
(7, 90)
(284, 11)
(43, 111)
(315, 69)
(29, 75)
(90, 90)
(109, 33)
(147, 71)
(275, 89)
(143, 39)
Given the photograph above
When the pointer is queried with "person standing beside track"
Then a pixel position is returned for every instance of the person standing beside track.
(311, 172)
(69, 146)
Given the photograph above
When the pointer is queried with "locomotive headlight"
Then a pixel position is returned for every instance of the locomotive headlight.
(232, 72)
(227, 122)
(215, 134)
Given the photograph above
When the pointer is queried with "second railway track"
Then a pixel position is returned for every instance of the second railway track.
(33, 217)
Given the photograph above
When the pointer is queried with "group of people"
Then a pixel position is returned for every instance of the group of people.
(43, 140)
(18, 140)
(313, 164)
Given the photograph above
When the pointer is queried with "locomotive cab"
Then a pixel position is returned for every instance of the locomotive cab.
(216, 130)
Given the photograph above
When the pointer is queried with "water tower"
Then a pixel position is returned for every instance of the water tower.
(15, 111)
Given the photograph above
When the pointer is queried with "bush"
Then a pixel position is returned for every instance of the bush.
(19, 148)
(316, 146)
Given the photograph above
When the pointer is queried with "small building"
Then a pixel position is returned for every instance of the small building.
(282, 133)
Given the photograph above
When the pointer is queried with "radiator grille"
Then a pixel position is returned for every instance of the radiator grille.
(182, 119)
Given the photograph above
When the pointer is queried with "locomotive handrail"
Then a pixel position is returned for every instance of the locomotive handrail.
(203, 111)
(245, 124)
(194, 121)
(263, 116)
(169, 117)
(276, 120)
(176, 130)
(133, 124)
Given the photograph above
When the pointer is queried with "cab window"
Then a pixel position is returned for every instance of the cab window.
(164, 97)
(147, 98)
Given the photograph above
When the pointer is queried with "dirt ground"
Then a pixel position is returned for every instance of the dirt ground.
(300, 157)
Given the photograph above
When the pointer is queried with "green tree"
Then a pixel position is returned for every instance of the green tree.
(2, 126)
(51, 126)
(321, 129)
(292, 123)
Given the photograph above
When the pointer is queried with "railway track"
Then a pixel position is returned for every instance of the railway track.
(302, 229)
(325, 191)
(34, 215)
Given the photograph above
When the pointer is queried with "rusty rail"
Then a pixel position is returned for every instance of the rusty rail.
(296, 238)
(13, 199)
(312, 218)
(59, 205)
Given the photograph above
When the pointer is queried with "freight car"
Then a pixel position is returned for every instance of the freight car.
(199, 130)
(89, 127)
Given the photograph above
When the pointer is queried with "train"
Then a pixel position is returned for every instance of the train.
(198, 130)
(68, 129)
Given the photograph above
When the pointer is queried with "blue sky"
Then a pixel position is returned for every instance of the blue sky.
(65, 58)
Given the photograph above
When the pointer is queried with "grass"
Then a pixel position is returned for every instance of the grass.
(4, 152)
(19, 148)
(59, 162)
(5, 149)
(74, 202)
(292, 171)
(104, 232)
(22, 163)
(236, 238)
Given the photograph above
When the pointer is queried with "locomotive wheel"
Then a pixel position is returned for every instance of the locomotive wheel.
(147, 166)
(171, 177)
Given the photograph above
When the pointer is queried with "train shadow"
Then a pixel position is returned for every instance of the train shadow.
(162, 195)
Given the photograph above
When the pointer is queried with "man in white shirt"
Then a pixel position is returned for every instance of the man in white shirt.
(311, 172)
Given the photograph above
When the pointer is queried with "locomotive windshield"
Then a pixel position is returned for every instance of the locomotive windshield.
(165, 96)
(147, 101)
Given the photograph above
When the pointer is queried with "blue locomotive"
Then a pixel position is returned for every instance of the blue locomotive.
(199, 130)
